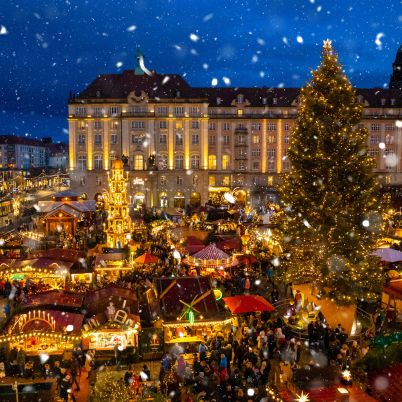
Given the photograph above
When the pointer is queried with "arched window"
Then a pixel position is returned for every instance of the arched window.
(195, 161)
(179, 162)
(82, 162)
(212, 162)
(98, 162)
(138, 162)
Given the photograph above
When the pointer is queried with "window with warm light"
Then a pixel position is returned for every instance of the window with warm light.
(179, 162)
(256, 139)
(138, 162)
(211, 181)
(212, 162)
(226, 180)
(240, 112)
(98, 162)
(225, 162)
(195, 161)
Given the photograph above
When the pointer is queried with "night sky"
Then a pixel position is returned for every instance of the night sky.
(51, 47)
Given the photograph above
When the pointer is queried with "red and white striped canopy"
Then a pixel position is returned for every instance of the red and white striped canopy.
(211, 252)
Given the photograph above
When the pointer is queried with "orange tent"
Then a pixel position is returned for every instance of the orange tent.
(147, 258)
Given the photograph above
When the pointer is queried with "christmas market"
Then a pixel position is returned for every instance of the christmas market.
(205, 243)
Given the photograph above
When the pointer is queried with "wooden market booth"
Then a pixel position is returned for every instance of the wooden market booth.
(112, 265)
(44, 331)
(114, 319)
(49, 272)
(189, 312)
(392, 299)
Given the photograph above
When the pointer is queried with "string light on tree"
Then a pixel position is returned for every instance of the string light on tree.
(331, 194)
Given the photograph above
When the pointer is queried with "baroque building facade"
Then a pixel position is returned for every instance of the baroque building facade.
(183, 145)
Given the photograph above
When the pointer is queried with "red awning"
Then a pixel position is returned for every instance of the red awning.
(247, 304)
(147, 259)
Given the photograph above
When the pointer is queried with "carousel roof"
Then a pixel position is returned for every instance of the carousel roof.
(211, 252)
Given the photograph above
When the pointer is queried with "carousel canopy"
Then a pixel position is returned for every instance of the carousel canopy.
(388, 254)
(211, 252)
(247, 304)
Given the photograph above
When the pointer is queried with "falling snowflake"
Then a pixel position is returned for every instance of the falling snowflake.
(254, 59)
(226, 80)
(261, 41)
(398, 123)
(299, 39)
(378, 41)
(208, 17)
(194, 37)
(214, 82)
(119, 64)
(285, 41)
(381, 145)
(131, 28)
(3, 30)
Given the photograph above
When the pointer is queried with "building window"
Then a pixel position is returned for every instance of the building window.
(195, 124)
(374, 153)
(241, 140)
(271, 139)
(389, 139)
(226, 140)
(137, 109)
(375, 127)
(98, 162)
(163, 180)
(286, 139)
(212, 126)
(211, 181)
(212, 162)
(82, 162)
(271, 127)
(115, 125)
(195, 139)
(82, 125)
(179, 162)
(81, 139)
(137, 125)
(162, 162)
(240, 112)
(226, 126)
(178, 110)
(138, 162)
(225, 162)
(81, 111)
(256, 139)
(114, 110)
(375, 139)
(163, 124)
(286, 126)
(179, 180)
(113, 139)
(97, 125)
(241, 126)
(226, 180)
(179, 139)
(256, 126)
(212, 140)
(271, 159)
(98, 181)
(162, 110)
(194, 111)
(98, 139)
(137, 139)
(242, 165)
(390, 127)
(195, 162)
(256, 165)
(162, 138)
(240, 99)
(256, 152)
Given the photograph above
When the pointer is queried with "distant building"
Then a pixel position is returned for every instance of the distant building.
(183, 145)
(58, 155)
(21, 153)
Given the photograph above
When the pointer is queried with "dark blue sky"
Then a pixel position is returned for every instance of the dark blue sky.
(49, 47)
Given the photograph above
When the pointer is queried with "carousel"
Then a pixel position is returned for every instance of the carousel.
(44, 331)
(47, 272)
(211, 260)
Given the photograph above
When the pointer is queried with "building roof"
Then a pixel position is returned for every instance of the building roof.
(185, 289)
(57, 149)
(160, 87)
(80, 206)
(14, 140)
(211, 252)
(59, 298)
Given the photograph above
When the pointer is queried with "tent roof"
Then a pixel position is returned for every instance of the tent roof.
(388, 254)
(247, 304)
(211, 252)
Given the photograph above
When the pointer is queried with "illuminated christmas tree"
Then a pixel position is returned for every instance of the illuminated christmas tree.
(118, 224)
(331, 194)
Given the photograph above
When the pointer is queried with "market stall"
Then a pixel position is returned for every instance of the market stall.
(392, 299)
(111, 266)
(210, 260)
(44, 331)
(188, 309)
(49, 273)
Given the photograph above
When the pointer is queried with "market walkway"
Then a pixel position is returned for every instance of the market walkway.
(83, 394)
